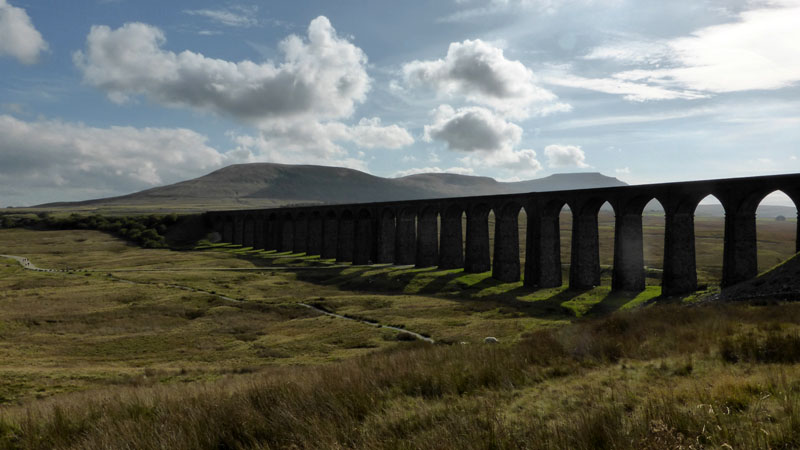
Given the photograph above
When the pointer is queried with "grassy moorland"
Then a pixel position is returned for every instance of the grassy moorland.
(99, 356)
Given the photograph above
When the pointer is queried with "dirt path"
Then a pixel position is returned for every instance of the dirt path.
(27, 264)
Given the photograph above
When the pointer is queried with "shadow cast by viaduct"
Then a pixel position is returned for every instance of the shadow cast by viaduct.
(428, 233)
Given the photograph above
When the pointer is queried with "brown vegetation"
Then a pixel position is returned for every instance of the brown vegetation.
(654, 378)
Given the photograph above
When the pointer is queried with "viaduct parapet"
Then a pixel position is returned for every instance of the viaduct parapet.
(429, 233)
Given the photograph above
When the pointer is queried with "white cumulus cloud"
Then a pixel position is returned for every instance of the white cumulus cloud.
(472, 129)
(68, 157)
(322, 77)
(479, 72)
(18, 37)
(313, 142)
(369, 133)
(565, 156)
(488, 139)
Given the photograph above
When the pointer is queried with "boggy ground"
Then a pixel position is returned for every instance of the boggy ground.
(90, 360)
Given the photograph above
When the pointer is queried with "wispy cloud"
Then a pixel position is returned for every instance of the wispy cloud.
(632, 91)
(605, 121)
(755, 51)
(239, 16)
(418, 170)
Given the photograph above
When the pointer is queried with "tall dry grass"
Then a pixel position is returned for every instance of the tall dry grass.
(653, 378)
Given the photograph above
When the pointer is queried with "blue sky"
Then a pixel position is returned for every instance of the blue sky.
(107, 97)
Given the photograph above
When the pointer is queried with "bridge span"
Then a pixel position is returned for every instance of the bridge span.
(428, 233)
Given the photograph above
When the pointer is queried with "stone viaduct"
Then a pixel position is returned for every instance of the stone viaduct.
(428, 233)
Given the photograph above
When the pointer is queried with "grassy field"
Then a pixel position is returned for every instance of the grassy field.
(91, 326)
(101, 356)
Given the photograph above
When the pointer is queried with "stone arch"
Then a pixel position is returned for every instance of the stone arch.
(451, 238)
(428, 237)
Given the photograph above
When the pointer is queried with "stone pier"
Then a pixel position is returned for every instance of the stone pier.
(386, 237)
(584, 271)
(505, 266)
(451, 239)
(427, 239)
(405, 249)
(330, 236)
(628, 273)
(476, 259)
(346, 238)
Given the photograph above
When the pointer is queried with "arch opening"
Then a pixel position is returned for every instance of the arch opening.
(606, 231)
(653, 225)
(709, 240)
(565, 239)
(776, 229)
(522, 232)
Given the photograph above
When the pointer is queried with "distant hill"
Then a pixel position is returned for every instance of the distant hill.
(261, 185)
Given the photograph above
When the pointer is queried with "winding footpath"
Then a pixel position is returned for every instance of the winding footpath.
(28, 265)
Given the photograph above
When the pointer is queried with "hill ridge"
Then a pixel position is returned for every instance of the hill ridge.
(255, 185)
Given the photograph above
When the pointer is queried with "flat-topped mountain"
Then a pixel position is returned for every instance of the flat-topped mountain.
(267, 185)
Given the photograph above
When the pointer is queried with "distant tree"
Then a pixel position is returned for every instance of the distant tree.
(780, 219)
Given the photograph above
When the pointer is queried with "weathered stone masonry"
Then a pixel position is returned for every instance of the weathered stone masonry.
(429, 233)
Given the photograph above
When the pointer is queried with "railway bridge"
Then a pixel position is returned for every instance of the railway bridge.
(428, 233)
